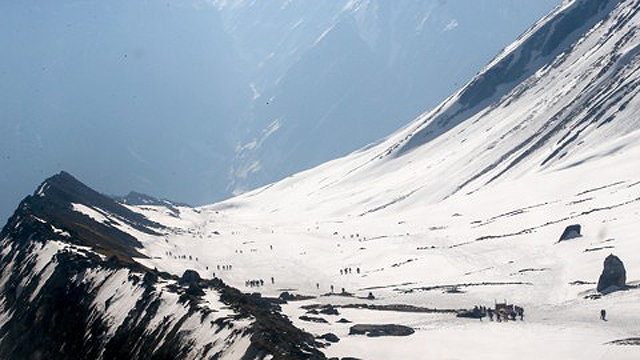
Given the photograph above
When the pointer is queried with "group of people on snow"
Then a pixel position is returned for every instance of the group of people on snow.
(347, 271)
(254, 283)
(501, 312)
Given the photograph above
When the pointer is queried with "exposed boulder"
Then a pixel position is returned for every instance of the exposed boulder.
(381, 330)
(329, 310)
(330, 337)
(313, 319)
(190, 277)
(613, 277)
(571, 232)
(287, 296)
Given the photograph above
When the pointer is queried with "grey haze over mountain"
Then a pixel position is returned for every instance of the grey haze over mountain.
(194, 100)
(350, 72)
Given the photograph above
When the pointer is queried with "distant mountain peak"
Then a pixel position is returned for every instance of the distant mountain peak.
(65, 203)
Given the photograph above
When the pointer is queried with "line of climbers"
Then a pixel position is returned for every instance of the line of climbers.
(347, 271)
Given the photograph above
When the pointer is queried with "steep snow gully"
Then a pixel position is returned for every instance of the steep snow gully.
(502, 203)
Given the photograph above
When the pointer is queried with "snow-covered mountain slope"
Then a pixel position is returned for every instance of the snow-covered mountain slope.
(462, 207)
(470, 249)
(564, 87)
(69, 289)
(363, 67)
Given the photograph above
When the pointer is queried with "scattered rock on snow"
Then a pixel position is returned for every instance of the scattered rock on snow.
(629, 341)
(313, 319)
(329, 310)
(381, 330)
(571, 232)
(287, 296)
(613, 277)
(330, 337)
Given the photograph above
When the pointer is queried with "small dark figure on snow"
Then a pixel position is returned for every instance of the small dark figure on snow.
(318, 286)
(331, 288)
(490, 313)
(603, 315)
(358, 270)
(273, 281)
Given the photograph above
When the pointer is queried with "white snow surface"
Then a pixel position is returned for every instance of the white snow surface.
(418, 244)
(479, 207)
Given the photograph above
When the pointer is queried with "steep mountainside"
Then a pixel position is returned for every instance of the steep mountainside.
(331, 76)
(563, 88)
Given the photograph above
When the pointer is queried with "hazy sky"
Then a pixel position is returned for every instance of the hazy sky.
(147, 95)
(117, 92)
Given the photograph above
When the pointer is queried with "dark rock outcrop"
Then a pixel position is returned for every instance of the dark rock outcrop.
(329, 310)
(330, 337)
(571, 232)
(53, 203)
(634, 341)
(381, 330)
(613, 277)
(313, 319)
(287, 296)
(190, 277)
